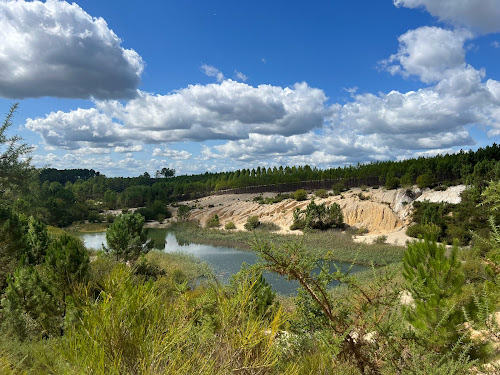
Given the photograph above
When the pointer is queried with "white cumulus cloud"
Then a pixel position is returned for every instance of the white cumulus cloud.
(228, 111)
(483, 15)
(57, 49)
(428, 53)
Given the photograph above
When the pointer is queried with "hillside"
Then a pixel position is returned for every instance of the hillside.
(380, 211)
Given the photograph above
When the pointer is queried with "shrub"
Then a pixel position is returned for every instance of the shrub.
(392, 183)
(380, 240)
(110, 218)
(258, 199)
(318, 217)
(420, 230)
(230, 226)
(338, 188)
(300, 195)
(321, 193)
(183, 212)
(361, 231)
(252, 222)
(161, 218)
(363, 197)
(213, 222)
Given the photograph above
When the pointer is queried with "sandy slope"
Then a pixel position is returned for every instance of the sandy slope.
(381, 211)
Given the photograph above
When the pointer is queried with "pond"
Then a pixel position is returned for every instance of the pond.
(225, 261)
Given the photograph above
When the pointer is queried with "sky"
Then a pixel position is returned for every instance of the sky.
(127, 87)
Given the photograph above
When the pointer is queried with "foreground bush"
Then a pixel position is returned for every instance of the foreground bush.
(136, 328)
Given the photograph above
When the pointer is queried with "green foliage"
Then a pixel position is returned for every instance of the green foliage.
(434, 279)
(391, 182)
(338, 188)
(491, 196)
(300, 195)
(183, 212)
(252, 222)
(67, 262)
(380, 240)
(15, 168)
(14, 244)
(318, 217)
(38, 240)
(321, 193)
(271, 200)
(425, 180)
(134, 327)
(126, 237)
(230, 225)
(261, 295)
(154, 210)
(450, 221)
(30, 309)
(165, 173)
(213, 222)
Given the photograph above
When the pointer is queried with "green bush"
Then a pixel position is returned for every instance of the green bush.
(252, 222)
(213, 222)
(321, 193)
(183, 212)
(361, 231)
(318, 217)
(300, 195)
(230, 226)
(420, 230)
(338, 188)
(380, 240)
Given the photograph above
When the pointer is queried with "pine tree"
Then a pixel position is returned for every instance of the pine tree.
(29, 307)
(14, 169)
(434, 278)
(38, 240)
(67, 262)
(126, 237)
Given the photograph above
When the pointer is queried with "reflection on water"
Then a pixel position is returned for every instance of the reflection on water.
(225, 261)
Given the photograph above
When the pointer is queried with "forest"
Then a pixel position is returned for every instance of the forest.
(127, 309)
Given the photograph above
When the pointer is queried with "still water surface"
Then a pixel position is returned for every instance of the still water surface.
(225, 261)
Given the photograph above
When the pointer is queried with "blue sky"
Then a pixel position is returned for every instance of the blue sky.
(125, 87)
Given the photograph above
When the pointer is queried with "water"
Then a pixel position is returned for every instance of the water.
(225, 261)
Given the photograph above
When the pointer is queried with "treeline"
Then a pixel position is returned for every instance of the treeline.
(64, 196)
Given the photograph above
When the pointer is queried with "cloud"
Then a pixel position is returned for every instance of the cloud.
(172, 154)
(212, 71)
(258, 145)
(129, 149)
(479, 15)
(78, 128)
(227, 111)
(428, 53)
(57, 49)
(495, 44)
(240, 76)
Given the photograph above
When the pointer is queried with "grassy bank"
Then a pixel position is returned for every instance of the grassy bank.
(342, 246)
(87, 227)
